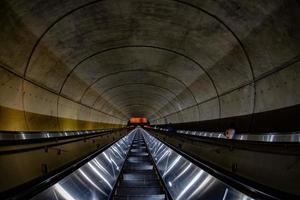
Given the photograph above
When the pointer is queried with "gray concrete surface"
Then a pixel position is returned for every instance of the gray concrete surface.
(168, 60)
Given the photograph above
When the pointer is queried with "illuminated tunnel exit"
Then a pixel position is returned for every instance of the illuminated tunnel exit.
(138, 121)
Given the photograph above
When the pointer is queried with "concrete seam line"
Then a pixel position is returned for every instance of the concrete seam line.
(261, 77)
(8, 69)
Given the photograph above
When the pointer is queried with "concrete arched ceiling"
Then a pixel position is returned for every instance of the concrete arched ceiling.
(93, 40)
(163, 59)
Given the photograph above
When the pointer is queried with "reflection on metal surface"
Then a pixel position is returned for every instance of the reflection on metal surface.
(264, 137)
(14, 136)
(63, 192)
(183, 179)
(95, 179)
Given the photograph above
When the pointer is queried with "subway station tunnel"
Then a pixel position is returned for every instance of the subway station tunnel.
(74, 72)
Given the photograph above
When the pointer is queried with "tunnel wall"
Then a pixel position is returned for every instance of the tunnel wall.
(270, 102)
(276, 102)
(73, 64)
(25, 106)
(285, 119)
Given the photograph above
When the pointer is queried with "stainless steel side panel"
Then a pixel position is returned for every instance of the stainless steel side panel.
(95, 179)
(183, 179)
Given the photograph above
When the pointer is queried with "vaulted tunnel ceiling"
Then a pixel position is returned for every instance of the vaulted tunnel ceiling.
(162, 59)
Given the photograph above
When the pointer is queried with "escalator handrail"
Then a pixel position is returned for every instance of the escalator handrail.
(251, 188)
(8, 141)
(284, 148)
(30, 189)
(56, 143)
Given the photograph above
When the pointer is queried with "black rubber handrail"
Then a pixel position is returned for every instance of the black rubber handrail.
(57, 143)
(246, 186)
(34, 132)
(30, 189)
(8, 142)
(285, 148)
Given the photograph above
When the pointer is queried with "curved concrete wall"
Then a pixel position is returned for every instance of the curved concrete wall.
(85, 64)
(26, 106)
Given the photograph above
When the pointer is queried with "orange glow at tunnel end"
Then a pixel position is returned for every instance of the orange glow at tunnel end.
(138, 120)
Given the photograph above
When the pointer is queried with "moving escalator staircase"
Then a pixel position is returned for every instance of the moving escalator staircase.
(139, 179)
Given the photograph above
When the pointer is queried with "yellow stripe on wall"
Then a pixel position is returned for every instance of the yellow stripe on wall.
(17, 120)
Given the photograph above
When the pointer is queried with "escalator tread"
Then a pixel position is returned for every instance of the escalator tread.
(138, 179)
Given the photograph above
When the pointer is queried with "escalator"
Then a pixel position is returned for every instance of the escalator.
(138, 166)
(139, 180)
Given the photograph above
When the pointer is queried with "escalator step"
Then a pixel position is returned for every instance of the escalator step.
(141, 197)
(138, 183)
(138, 158)
(138, 154)
(138, 167)
(138, 179)
(138, 172)
(134, 176)
(138, 190)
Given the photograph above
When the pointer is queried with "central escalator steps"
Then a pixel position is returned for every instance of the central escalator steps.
(138, 179)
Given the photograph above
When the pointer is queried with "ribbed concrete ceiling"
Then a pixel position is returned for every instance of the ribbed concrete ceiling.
(196, 59)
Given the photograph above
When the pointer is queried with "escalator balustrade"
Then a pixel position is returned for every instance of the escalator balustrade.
(139, 179)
